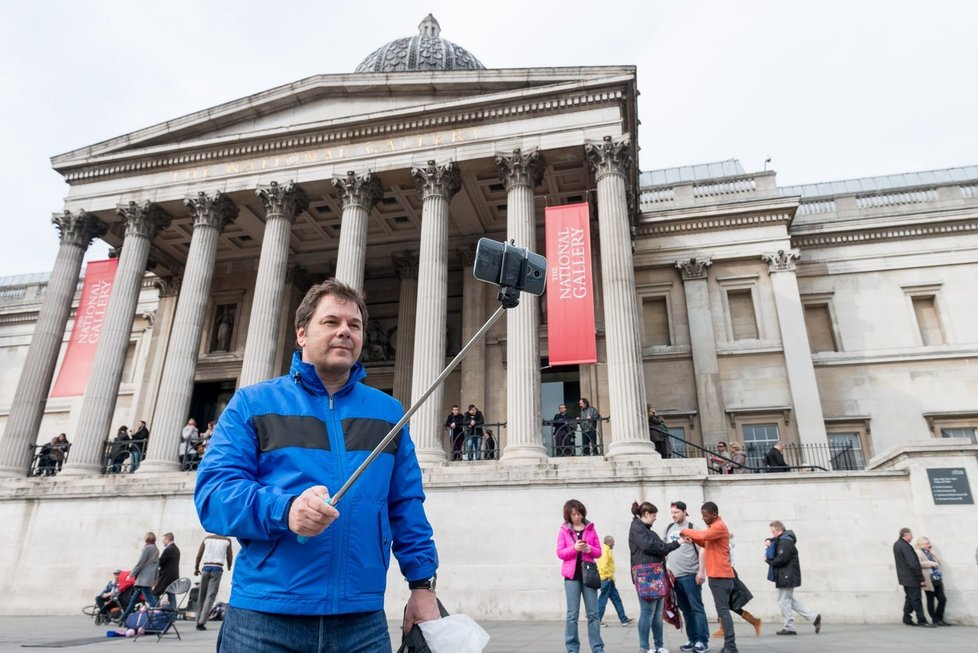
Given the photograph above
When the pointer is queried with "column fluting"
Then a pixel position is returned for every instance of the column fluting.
(358, 194)
(406, 265)
(27, 409)
(521, 172)
(436, 185)
(282, 205)
(210, 215)
(610, 161)
(142, 223)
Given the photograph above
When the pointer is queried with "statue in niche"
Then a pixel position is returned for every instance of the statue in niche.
(223, 326)
(375, 347)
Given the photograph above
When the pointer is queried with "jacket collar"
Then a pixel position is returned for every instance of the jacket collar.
(304, 374)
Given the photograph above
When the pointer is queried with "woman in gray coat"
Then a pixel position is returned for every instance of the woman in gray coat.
(144, 571)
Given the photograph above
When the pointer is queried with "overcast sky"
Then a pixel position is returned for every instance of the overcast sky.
(830, 89)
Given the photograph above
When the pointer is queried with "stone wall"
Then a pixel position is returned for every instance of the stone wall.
(496, 525)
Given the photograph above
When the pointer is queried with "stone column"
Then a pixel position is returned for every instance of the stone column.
(27, 409)
(703, 341)
(142, 222)
(436, 186)
(168, 288)
(473, 386)
(358, 194)
(406, 265)
(282, 205)
(210, 215)
(610, 161)
(797, 352)
(521, 173)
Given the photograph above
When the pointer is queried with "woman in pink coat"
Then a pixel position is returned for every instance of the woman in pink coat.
(577, 542)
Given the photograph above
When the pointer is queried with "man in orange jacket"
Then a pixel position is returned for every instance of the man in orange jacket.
(715, 541)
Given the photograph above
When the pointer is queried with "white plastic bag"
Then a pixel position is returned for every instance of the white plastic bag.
(456, 633)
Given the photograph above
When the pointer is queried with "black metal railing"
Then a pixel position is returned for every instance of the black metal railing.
(474, 443)
(120, 457)
(48, 459)
(575, 437)
(798, 457)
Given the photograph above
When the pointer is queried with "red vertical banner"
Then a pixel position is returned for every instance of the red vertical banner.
(570, 292)
(77, 365)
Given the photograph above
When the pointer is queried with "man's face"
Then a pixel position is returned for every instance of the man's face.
(907, 537)
(473, 410)
(562, 409)
(456, 410)
(332, 340)
(167, 541)
(678, 516)
(776, 532)
(581, 403)
(708, 517)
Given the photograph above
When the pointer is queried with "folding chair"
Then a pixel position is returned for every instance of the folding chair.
(162, 620)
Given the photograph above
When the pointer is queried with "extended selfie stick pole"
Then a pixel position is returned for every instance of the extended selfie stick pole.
(506, 303)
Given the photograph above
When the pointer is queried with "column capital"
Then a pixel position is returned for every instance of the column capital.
(358, 190)
(466, 256)
(693, 268)
(781, 261)
(145, 220)
(78, 230)
(442, 180)
(406, 264)
(519, 169)
(286, 201)
(610, 156)
(217, 210)
(168, 286)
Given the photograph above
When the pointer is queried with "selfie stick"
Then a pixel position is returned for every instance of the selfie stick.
(508, 297)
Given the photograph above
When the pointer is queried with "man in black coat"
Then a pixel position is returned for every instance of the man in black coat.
(169, 569)
(774, 460)
(785, 571)
(911, 577)
(563, 432)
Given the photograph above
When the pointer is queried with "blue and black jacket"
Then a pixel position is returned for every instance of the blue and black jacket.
(276, 439)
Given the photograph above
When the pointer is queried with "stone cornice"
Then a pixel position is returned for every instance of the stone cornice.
(332, 132)
(711, 223)
(896, 232)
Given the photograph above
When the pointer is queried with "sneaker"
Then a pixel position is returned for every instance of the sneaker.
(628, 622)
(700, 647)
(817, 623)
(785, 631)
(688, 646)
(604, 625)
(201, 627)
(662, 649)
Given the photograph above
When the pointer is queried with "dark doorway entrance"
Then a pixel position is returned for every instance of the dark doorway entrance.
(209, 400)
(558, 385)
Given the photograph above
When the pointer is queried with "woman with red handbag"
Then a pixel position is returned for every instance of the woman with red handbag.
(649, 574)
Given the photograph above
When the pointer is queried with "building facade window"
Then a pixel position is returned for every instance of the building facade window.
(969, 432)
(678, 442)
(656, 329)
(962, 424)
(821, 334)
(846, 451)
(758, 440)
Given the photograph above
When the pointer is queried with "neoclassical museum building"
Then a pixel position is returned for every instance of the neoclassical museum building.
(837, 315)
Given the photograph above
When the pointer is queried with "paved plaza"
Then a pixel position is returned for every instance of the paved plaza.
(79, 633)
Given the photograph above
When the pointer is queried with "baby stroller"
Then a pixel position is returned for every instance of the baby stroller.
(111, 609)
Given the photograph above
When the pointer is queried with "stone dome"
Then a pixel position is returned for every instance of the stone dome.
(426, 51)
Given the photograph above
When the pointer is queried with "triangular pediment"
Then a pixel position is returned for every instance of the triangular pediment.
(337, 102)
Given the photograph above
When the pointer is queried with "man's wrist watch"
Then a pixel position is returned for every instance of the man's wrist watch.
(423, 584)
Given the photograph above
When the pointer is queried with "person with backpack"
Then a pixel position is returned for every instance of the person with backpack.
(686, 564)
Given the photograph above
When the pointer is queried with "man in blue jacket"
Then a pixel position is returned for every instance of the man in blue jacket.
(278, 448)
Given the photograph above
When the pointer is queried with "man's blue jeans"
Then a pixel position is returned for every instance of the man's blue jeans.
(246, 631)
(610, 591)
(148, 597)
(473, 444)
(650, 617)
(575, 590)
(690, 598)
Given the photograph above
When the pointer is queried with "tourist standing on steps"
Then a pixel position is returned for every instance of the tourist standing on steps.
(784, 570)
